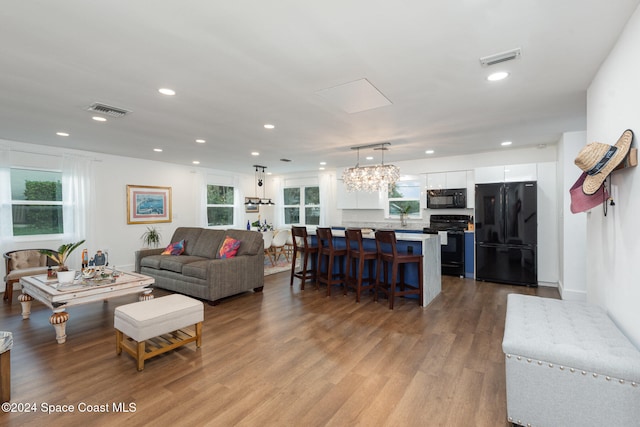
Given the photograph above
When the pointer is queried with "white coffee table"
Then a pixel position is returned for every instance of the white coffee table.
(82, 291)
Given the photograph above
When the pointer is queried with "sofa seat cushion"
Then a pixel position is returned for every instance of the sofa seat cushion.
(169, 262)
(196, 269)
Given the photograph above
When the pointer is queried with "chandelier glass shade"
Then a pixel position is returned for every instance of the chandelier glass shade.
(370, 178)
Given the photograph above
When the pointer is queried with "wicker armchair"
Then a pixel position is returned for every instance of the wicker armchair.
(23, 262)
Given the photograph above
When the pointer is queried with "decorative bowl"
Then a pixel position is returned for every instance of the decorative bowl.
(88, 273)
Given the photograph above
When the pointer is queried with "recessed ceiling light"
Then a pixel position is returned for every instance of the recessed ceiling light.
(196, 162)
(321, 169)
(255, 153)
(323, 163)
(500, 75)
(62, 134)
(158, 150)
(505, 143)
(167, 91)
(99, 119)
(269, 173)
(200, 141)
(269, 126)
(429, 152)
(369, 157)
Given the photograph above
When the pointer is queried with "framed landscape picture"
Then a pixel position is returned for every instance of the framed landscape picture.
(148, 205)
(251, 208)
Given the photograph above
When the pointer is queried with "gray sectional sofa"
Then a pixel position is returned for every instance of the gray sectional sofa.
(199, 272)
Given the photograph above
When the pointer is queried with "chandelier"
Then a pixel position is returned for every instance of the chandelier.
(260, 182)
(371, 178)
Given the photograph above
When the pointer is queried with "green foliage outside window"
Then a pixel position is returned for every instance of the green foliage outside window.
(220, 195)
(302, 205)
(220, 205)
(404, 198)
(292, 196)
(37, 202)
(312, 195)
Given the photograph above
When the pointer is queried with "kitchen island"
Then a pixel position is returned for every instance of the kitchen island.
(425, 244)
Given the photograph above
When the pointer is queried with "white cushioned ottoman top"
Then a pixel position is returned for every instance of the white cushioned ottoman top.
(146, 319)
(570, 333)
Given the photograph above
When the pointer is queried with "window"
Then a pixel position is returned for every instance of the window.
(36, 202)
(220, 205)
(404, 197)
(302, 205)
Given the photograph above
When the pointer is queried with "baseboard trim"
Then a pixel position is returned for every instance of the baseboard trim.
(571, 295)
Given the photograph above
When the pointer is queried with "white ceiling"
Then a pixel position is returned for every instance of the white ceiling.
(237, 65)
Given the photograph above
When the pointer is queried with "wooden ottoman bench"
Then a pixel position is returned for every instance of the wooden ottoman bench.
(148, 328)
(567, 364)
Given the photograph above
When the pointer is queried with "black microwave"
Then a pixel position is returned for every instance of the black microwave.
(447, 199)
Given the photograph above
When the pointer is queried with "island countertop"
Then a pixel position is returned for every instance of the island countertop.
(427, 244)
(411, 237)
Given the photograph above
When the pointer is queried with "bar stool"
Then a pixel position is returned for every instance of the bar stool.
(303, 246)
(388, 254)
(328, 253)
(356, 258)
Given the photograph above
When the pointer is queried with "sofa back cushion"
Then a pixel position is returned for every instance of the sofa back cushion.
(189, 235)
(208, 243)
(27, 259)
(251, 241)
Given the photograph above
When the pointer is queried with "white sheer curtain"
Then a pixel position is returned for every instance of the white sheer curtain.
(200, 183)
(327, 196)
(278, 185)
(78, 204)
(6, 219)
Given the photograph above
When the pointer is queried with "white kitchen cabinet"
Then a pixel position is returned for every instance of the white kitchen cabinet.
(448, 180)
(457, 179)
(436, 181)
(357, 199)
(489, 174)
(508, 173)
(519, 173)
(470, 185)
(369, 200)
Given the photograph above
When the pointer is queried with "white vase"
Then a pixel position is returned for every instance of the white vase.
(66, 276)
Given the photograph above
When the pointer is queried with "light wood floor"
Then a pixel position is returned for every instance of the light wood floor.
(283, 357)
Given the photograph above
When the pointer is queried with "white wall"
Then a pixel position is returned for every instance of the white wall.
(613, 247)
(548, 264)
(572, 227)
(108, 229)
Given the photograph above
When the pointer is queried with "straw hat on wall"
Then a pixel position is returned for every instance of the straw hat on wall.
(598, 160)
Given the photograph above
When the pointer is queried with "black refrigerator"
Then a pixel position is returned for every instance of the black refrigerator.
(506, 233)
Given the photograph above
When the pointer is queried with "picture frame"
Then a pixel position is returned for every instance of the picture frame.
(252, 208)
(148, 204)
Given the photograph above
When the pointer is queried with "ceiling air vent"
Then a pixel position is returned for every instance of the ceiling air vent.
(509, 55)
(285, 160)
(108, 110)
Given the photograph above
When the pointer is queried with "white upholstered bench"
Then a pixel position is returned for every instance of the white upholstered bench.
(567, 364)
(148, 328)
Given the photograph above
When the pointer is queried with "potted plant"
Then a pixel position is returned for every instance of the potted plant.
(63, 253)
(61, 258)
(404, 213)
(151, 237)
